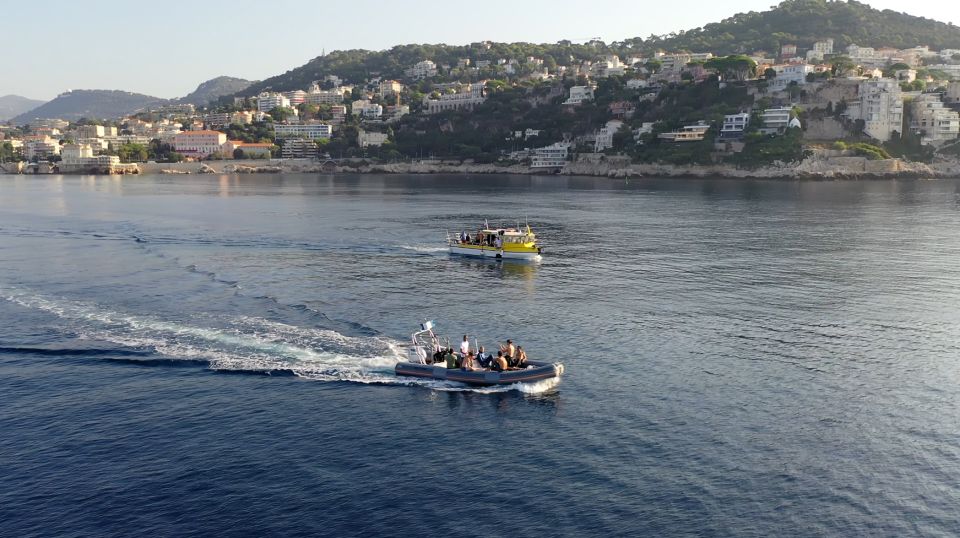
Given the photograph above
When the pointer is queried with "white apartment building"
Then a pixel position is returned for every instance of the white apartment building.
(298, 148)
(268, 101)
(775, 120)
(734, 125)
(636, 84)
(40, 148)
(935, 123)
(390, 87)
(790, 73)
(819, 50)
(366, 109)
(552, 156)
(467, 98)
(423, 69)
(674, 63)
(90, 131)
(199, 144)
(80, 157)
(689, 133)
(311, 131)
(880, 107)
(296, 97)
(579, 94)
(74, 153)
(607, 67)
(604, 137)
(324, 97)
(217, 119)
(365, 139)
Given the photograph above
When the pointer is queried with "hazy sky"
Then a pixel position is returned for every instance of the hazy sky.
(167, 48)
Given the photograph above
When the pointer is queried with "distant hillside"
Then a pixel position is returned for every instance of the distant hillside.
(101, 104)
(214, 88)
(357, 65)
(800, 22)
(14, 105)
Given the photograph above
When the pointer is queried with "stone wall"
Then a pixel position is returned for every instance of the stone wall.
(825, 129)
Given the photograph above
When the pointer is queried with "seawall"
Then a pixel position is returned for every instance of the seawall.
(824, 165)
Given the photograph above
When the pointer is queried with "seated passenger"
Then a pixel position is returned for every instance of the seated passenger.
(450, 358)
(483, 358)
(437, 356)
(521, 360)
(469, 362)
(500, 363)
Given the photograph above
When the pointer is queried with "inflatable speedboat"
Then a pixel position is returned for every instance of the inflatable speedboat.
(419, 365)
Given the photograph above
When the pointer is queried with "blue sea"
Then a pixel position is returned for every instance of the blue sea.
(213, 356)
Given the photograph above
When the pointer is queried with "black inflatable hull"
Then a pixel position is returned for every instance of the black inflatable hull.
(536, 371)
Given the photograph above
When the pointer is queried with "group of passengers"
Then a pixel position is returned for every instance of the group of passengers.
(488, 240)
(509, 357)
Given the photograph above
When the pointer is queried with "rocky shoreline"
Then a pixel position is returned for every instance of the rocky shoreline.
(814, 168)
(820, 166)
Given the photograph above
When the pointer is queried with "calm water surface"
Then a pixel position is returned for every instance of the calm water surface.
(212, 355)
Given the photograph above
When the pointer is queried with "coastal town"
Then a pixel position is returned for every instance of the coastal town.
(780, 107)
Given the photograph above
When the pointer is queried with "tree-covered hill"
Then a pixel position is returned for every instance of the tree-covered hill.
(103, 104)
(215, 88)
(358, 65)
(800, 22)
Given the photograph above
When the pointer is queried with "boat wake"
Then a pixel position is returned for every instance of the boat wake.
(241, 344)
(424, 249)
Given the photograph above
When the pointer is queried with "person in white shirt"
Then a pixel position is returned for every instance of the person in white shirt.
(465, 346)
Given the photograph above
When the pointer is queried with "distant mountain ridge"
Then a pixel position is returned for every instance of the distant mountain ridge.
(14, 105)
(114, 104)
(215, 88)
(100, 104)
(800, 22)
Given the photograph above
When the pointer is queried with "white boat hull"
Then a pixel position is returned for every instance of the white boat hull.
(494, 253)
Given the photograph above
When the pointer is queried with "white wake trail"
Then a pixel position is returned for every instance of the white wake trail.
(247, 344)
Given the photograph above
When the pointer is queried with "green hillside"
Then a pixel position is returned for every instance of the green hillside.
(803, 22)
(359, 65)
(103, 104)
(215, 88)
(800, 22)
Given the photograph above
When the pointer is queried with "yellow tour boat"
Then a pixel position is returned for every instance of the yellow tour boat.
(499, 243)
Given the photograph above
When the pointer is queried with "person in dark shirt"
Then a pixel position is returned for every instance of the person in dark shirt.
(483, 358)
